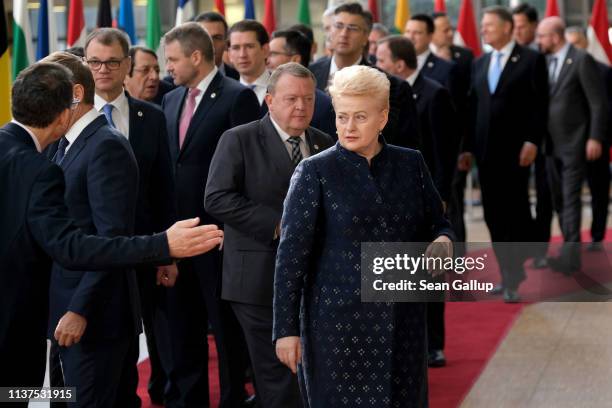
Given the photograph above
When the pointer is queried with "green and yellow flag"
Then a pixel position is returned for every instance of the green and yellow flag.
(5, 70)
(23, 51)
(402, 14)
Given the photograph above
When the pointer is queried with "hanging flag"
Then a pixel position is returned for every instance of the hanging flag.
(552, 9)
(76, 24)
(23, 53)
(402, 14)
(599, 42)
(439, 6)
(105, 14)
(125, 21)
(373, 6)
(5, 70)
(249, 10)
(184, 12)
(466, 34)
(154, 26)
(269, 20)
(219, 7)
(47, 35)
(303, 12)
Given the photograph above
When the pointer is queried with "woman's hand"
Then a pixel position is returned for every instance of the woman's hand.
(289, 352)
(442, 247)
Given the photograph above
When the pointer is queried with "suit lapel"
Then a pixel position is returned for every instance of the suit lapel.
(136, 125)
(567, 64)
(417, 87)
(81, 141)
(208, 100)
(513, 61)
(174, 117)
(313, 144)
(275, 148)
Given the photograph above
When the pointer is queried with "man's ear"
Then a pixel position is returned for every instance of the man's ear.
(268, 98)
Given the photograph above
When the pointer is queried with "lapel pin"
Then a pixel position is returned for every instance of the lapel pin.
(415, 96)
(457, 55)
(569, 61)
(430, 64)
(213, 95)
(316, 147)
(515, 58)
(140, 114)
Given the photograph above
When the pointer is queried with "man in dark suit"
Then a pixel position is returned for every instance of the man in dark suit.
(525, 18)
(216, 26)
(598, 171)
(293, 46)
(249, 179)
(440, 147)
(144, 125)
(205, 105)
(577, 125)
(509, 100)
(36, 225)
(349, 36)
(142, 80)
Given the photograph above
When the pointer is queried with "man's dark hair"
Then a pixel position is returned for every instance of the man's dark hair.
(41, 93)
(136, 49)
(356, 9)
(109, 36)
(438, 14)
(304, 29)
(502, 12)
(78, 51)
(401, 48)
(528, 11)
(211, 17)
(81, 74)
(424, 18)
(296, 43)
(250, 25)
(191, 37)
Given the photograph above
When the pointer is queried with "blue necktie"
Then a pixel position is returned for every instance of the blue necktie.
(61, 150)
(108, 112)
(552, 70)
(495, 71)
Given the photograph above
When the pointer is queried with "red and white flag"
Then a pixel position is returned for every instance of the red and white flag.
(467, 34)
(76, 24)
(373, 6)
(552, 9)
(439, 6)
(599, 42)
(269, 20)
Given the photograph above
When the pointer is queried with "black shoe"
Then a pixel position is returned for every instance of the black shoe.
(595, 246)
(497, 290)
(511, 296)
(558, 265)
(436, 358)
(539, 262)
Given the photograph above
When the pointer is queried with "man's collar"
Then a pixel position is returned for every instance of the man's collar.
(32, 135)
(120, 102)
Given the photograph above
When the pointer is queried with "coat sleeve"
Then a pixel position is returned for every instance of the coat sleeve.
(594, 91)
(539, 103)
(224, 196)
(295, 252)
(58, 236)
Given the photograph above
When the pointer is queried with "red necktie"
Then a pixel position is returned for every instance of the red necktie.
(187, 114)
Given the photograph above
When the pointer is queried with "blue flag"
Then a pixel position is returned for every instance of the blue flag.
(184, 11)
(42, 48)
(125, 21)
(249, 9)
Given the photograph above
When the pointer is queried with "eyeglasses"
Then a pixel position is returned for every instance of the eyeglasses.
(351, 28)
(147, 70)
(113, 64)
(277, 53)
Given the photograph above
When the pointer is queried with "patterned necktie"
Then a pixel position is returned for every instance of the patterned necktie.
(187, 114)
(296, 153)
(108, 112)
(61, 150)
(552, 70)
(495, 71)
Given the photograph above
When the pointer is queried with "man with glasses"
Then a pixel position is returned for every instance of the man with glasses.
(216, 26)
(143, 80)
(144, 125)
(349, 36)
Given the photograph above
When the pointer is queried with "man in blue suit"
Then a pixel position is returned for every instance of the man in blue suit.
(36, 225)
(144, 125)
(205, 105)
(101, 191)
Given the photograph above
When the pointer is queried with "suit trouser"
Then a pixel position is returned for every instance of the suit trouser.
(93, 367)
(188, 308)
(56, 376)
(544, 206)
(277, 386)
(598, 178)
(566, 178)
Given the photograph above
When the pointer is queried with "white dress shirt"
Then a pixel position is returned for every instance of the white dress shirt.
(560, 56)
(421, 58)
(285, 137)
(260, 85)
(203, 86)
(80, 125)
(121, 112)
(34, 139)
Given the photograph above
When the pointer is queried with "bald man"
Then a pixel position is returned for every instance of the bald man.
(577, 130)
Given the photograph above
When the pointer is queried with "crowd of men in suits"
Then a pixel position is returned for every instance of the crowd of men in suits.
(219, 141)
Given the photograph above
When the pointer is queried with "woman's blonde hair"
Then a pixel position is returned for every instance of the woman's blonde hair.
(361, 80)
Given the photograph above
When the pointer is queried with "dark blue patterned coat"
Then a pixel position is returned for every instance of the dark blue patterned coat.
(354, 354)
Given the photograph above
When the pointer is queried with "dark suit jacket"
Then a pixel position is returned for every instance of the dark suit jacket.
(36, 227)
(606, 74)
(517, 112)
(249, 179)
(440, 139)
(441, 71)
(231, 72)
(101, 176)
(403, 127)
(149, 141)
(578, 106)
(463, 58)
(165, 86)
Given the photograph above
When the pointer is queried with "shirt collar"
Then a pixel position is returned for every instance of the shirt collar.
(205, 83)
(120, 102)
(421, 58)
(284, 135)
(412, 78)
(561, 54)
(34, 139)
(80, 125)
(506, 49)
(261, 81)
(333, 67)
